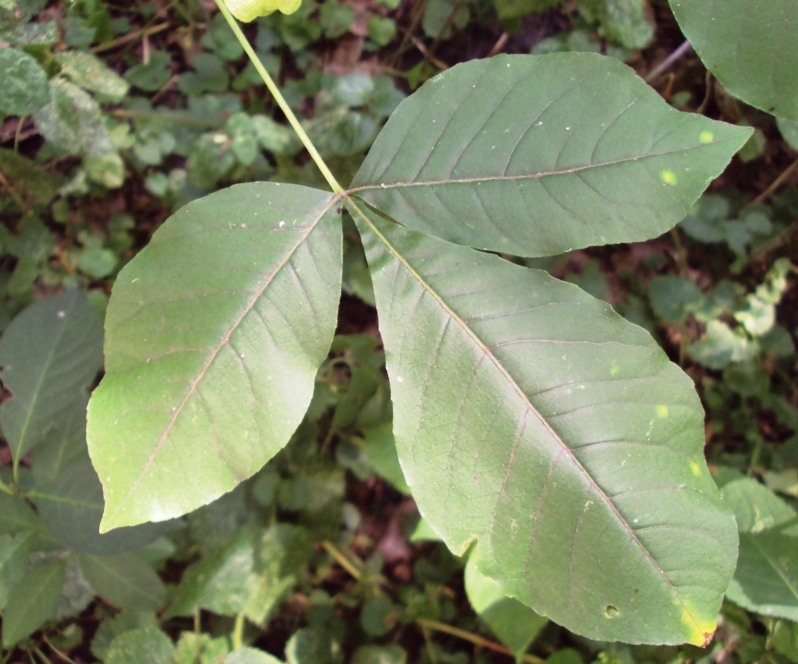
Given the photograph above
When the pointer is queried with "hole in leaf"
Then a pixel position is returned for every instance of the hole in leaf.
(610, 611)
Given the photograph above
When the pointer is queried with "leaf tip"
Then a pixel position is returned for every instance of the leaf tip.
(699, 631)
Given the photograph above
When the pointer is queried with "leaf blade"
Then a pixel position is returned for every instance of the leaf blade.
(589, 435)
(765, 580)
(749, 46)
(540, 139)
(33, 601)
(241, 356)
(50, 353)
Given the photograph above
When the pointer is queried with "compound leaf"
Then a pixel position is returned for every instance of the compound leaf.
(50, 353)
(538, 155)
(530, 417)
(215, 332)
(749, 45)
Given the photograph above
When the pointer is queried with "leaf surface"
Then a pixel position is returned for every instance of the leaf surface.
(756, 507)
(125, 581)
(533, 419)
(71, 505)
(749, 45)
(33, 601)
(538, 155)
(215, 332)
(514, 624)
(14, 553)
(24, 83)
(50, 353)
(766, 579)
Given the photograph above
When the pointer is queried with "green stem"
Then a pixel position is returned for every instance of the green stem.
(5, 488)
(238, 632)
(281, 102)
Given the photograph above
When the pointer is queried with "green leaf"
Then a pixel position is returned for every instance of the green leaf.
(766, 580)
(15, 515)
(148, 645)
(673, 298)
(30, 180)
(91, 73)
(200, 648)
(538, 155)
(785, 639)
(789, 132)
(391, 654)
(33, 601)
(223, 581)
(514, 624)
(531, 418)
(23, 81)
(756, 507)
(622, 21)
(311, 646)
(516, 8)
(51, 353)
(750, 47)
(125, 581)
(204, 402)
(721, 346)
(250, 656)
(71, 505)
(152, 76)
(73, 121)
(381, 449)
(14, 553)
(210, 75)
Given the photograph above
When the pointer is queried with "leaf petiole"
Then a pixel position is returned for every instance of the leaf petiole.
(278, 97)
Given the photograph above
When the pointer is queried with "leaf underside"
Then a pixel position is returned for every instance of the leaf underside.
(538, 156)
(529, 418)
(750, 46)
(532, 418)
(215, 333)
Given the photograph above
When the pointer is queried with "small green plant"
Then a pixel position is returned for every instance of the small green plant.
(529, 419)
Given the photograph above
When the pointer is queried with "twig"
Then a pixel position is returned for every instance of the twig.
(57, 651)
(774, 242)
(133, 36)
(18, 132)
(17, 198)
(342, 560)
(775, 184)
(708, 94)
(418, 9)
(499, 45)
(175, 116)
(424, 623)
(165, 87)
(668, 62)
(425, 52)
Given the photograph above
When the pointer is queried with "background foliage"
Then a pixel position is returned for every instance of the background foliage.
(117, 115)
